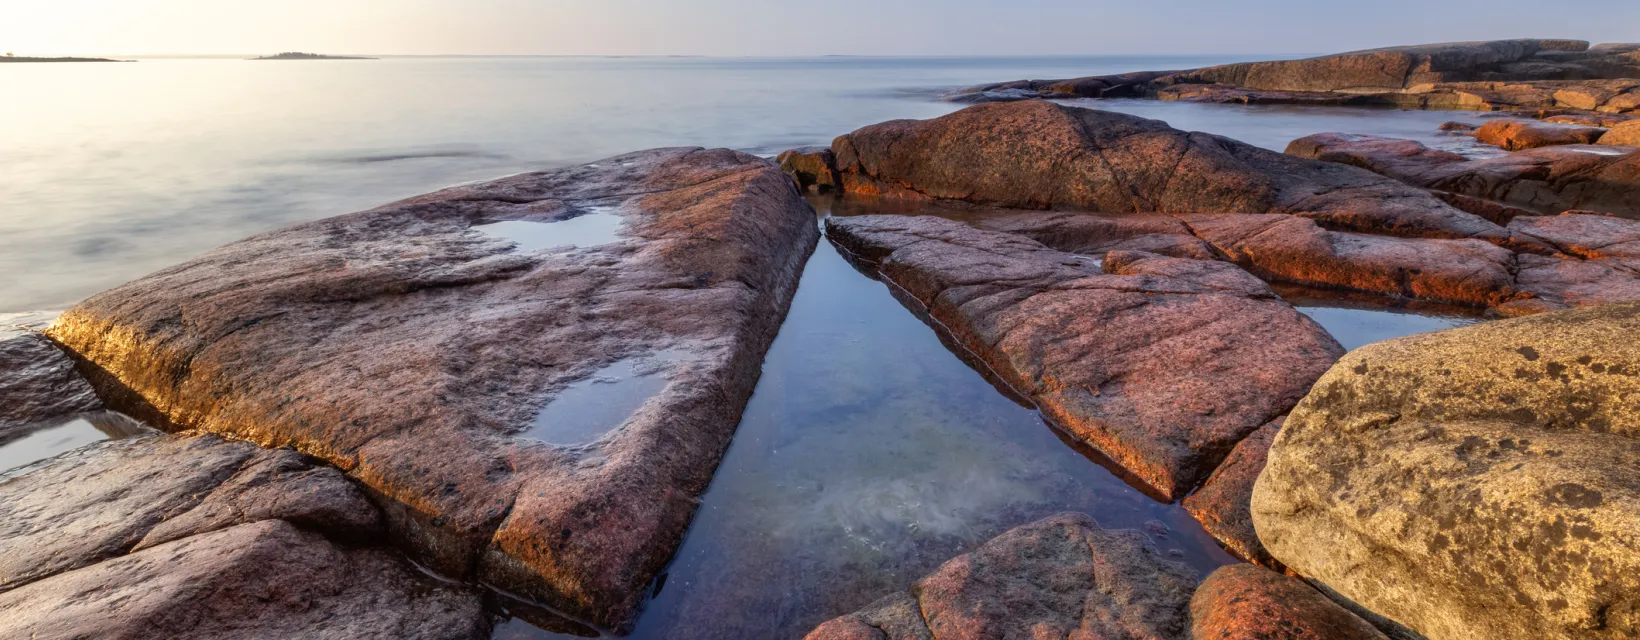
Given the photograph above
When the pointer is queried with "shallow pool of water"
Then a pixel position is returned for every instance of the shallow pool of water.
(70, 433)
(586, 230)
(1358, 320)
(588, 409)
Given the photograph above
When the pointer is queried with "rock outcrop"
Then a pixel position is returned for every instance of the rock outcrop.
(1515, 134)
(1063, 577)
(814, 169)
(1038, 155)
(1222, 505)
(1625, 134)
(261, 580)
(1473, 483)
(1548, 180)
(38, 383)
(421, 346)
(1161, 364)
(1244, 602)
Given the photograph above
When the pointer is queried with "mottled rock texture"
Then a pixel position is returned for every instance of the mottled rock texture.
(814, 169)
(1548, 180)
(1222, 504)
(38, 383)
(1244, 602)
(1161, 364)
(414, 352)
(1062, 577)
(1515, 134)
(101, 502)
(262, 580)
(1626, 134)
(1473, 483)
(1044, 155)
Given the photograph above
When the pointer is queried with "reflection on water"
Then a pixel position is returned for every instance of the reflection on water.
(588, 409)
(1358, 320)
(586, 230)
(30, 445)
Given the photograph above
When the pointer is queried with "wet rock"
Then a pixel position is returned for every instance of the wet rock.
(1625, 134)
(1222, 504)
(100, 502)
(1244, 602)
(1298, 251)
(1548, 180)
(266, 579)
(37, 383)
(1457, 126)
(1059, 577)
(814, 169)
(1472, 483)
(1514, 134)
(1042, 155)
(1161, 364)
(415, 352)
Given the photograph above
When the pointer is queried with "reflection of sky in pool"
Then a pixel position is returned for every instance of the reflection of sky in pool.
(586, 230)
(66, 435)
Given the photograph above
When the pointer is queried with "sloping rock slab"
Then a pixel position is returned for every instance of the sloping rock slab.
(1584, 235)
(1548, 180)
(416, 352)
(1161, 364)
(1043, 155)
(1062, 577)
(1094, 234)
(261, 580)
(1386, 68)
(1626, 134)
(37, 383)
(1473, 483)
(1516, 134)
(1244, 602)
(102, 501)
(1222, 505)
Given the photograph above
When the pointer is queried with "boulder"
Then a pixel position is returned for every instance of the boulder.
(1588, 119)
(1245, 602)
(1625, 134)
(814, 169)
(1039, 155)
(100, 502)
(262, 580)
(1516, 134)
(1222, 504)
(1063, 577)
(423, 347)
(1548, 180)
(1161, 364)
(1583, 235)
(38, 383)
(1472, 483)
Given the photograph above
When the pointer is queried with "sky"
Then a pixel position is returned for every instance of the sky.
(786, 27)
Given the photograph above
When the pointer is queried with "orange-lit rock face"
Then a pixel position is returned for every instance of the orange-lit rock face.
(1515, 135)
(1062, 577)
(1221, 505)
(1042, 155)
(415, 352)
(1244, 602)
(1162, 364)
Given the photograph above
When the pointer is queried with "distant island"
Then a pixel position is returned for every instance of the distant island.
(14, 58)
(296, 55)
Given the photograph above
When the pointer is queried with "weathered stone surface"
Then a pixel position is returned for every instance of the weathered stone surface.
(1589, 119)
(1161, 364)
(100, 502)
(37, 383)
(1626, 134)
(1386, 68)
(1515, 134)
(1062, 577)
(1222, 504)
(1549, 180)
(1094, 234)
(415, 352)
(814, 169)
(1296, 250)
(1563, 283)
(1231, 94)
(1584, 235)
(261, 580)
(1473, 483)
(1041, 155)
(1244, 602)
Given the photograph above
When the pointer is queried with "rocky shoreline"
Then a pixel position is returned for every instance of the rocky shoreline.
(511, 396)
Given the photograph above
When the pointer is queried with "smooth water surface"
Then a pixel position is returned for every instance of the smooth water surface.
(586, 230)
(588, 409)
(51, 440)
(1358, 320)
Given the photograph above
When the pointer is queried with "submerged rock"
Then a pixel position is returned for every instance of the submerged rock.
(416, 345)
(1161, 364)
(1516, 134)
(1548, 180)
(1472, 483)
(1063, 577)
(38, 383)
(1222, 504)
(264, 580)
(1244, 602)
(1042, 155)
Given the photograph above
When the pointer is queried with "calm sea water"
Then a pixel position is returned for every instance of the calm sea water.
(112, 171)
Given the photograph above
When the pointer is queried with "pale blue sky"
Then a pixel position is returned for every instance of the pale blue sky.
(785, 27)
